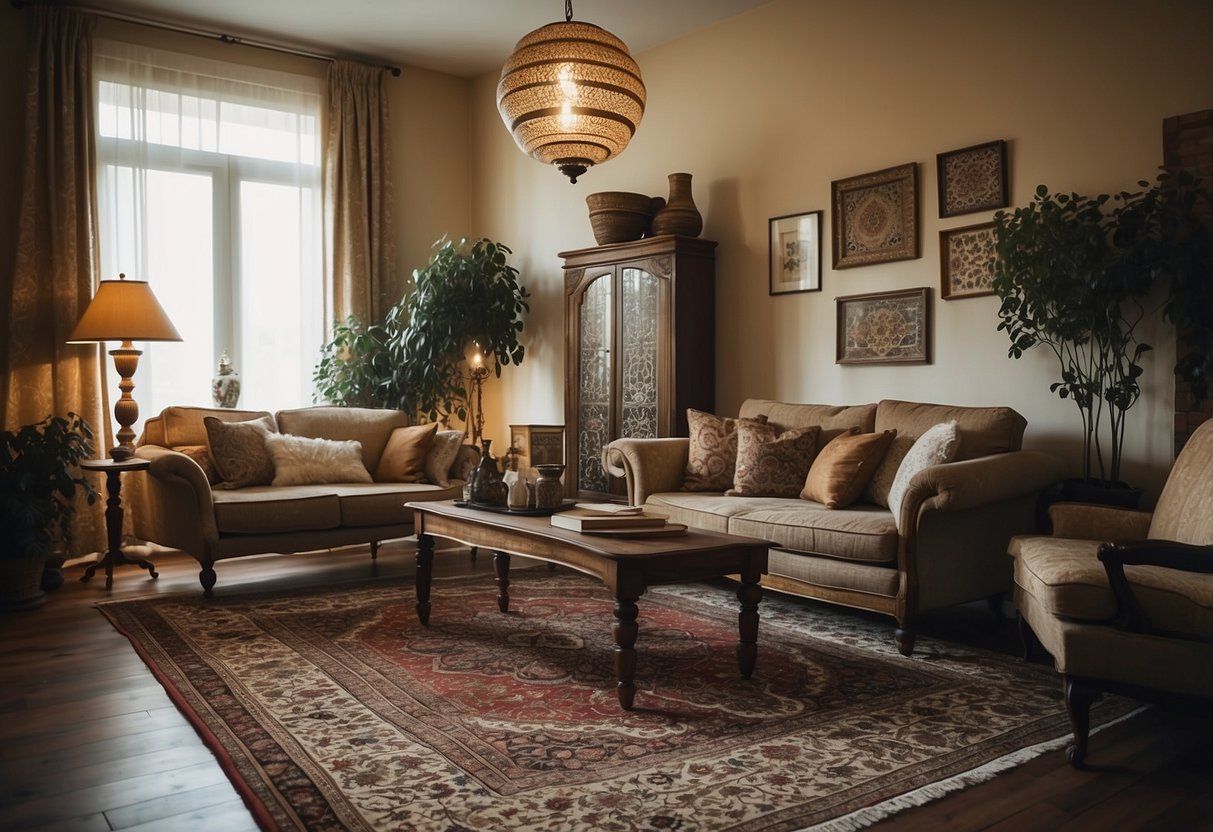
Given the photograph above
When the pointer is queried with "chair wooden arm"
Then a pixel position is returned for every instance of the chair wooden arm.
(1165, 553)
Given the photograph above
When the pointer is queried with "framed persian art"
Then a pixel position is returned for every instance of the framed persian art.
(795, 255)
(965, 257)
(875, 217)
(973, 179)
(884, 328)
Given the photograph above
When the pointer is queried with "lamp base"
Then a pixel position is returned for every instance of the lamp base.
(120, 453)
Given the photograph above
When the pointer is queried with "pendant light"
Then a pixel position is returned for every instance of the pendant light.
(571, 95)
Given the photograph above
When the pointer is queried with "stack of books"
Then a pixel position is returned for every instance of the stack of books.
(615, 519)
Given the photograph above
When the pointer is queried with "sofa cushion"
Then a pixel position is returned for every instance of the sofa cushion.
(707, 511)
(1185, 508)
(771, 463)
(270, 509)
(383, 504)
(1064, 576)
(185, 426)
(832, 419)
(843, 467)
(983, 430)
(440, 458)
(370, 426)
(832, 573)
(201, 455)
(712, 454)
(403, 458)
(935, 447)
(238, 451)
(861, 533)
(300, 460)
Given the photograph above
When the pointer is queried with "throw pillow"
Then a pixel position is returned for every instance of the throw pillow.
(712, 456)
(441, 456)
(770, 463)
(199, 454)
(403, 459)
(844, 466)
(935, 447)
(238, 451)
(301, 460)
(877, 491)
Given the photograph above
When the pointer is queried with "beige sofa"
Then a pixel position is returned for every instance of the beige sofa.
(173, 504)
(956, 518)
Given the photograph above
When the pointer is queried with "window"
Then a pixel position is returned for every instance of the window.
(209, 189)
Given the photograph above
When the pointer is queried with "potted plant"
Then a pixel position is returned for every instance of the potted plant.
(1073, 273)
(39, 478)
(412, 360)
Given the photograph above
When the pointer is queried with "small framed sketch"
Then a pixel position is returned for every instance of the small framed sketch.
(884, 328)
(973, 179)
(965, 256)
(795, 257)
(875, 217)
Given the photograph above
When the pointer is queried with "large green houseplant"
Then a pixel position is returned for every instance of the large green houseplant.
(413, 359)
(39, 484)
(1074, 273)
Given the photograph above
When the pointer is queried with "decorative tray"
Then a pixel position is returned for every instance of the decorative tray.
(565, 505)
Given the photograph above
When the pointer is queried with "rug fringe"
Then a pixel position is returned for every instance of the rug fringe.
(861, 818)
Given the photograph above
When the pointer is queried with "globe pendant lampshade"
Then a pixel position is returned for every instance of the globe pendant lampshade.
(571, 95)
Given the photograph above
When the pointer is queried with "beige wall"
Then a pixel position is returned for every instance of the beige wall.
(769, 107)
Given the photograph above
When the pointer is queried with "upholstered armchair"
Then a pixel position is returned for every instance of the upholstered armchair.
(1123, 600)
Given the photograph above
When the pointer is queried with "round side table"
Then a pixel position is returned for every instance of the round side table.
(114, 469)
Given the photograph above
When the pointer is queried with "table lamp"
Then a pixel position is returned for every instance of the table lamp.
(125, 311)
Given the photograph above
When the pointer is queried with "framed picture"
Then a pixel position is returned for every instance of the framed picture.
(884, 328)
(537, 445)
(973, 179)
(795, 256)
(965, 257)
(875, 217)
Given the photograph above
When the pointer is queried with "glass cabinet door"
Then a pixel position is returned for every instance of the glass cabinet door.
(638, 355)
(594, 371)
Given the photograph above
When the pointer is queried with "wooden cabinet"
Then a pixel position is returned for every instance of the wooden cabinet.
(639, 330)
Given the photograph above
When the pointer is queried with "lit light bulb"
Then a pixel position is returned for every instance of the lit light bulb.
(568, 93)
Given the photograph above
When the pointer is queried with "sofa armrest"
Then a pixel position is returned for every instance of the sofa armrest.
(175, 507)
(1088, 521)
(650, 466)
(1163, 553)
(972, 483)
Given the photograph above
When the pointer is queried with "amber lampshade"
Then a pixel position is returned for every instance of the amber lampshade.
(125, 311)
(571, 95)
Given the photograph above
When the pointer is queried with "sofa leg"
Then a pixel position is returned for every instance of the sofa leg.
(905, 637)
(374, 550)
(207, 577)
(1080, 695)
(1027, 639)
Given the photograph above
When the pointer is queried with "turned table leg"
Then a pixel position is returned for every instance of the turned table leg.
(501, 568)
(425, 562)
(624, 630)
(748, 594)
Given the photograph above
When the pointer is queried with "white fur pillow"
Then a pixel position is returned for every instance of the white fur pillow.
(299, 460)
(935, 447)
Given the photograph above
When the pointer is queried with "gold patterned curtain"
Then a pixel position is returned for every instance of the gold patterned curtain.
(56, 263)
(360, 249)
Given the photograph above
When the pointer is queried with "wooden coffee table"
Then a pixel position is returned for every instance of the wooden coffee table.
(627, 565)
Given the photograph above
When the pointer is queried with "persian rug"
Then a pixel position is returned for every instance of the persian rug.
(332, 708)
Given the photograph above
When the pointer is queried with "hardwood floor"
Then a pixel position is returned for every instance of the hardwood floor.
(90, 741)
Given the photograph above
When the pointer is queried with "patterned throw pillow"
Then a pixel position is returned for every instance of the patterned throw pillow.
(301, 460)
(238, 451)
(844, 466)
(770, 463)
(441, 456)
(935, 447)
(712, 457)
(403, 459)
(199, 454)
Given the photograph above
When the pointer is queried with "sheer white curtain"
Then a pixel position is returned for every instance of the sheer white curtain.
(209, 188)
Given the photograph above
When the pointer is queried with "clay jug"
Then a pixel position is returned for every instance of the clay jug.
(679, 216)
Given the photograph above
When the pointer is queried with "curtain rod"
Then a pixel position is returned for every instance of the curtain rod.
(201, 33)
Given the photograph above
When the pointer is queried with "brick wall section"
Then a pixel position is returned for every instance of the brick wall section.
(1188, 143)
